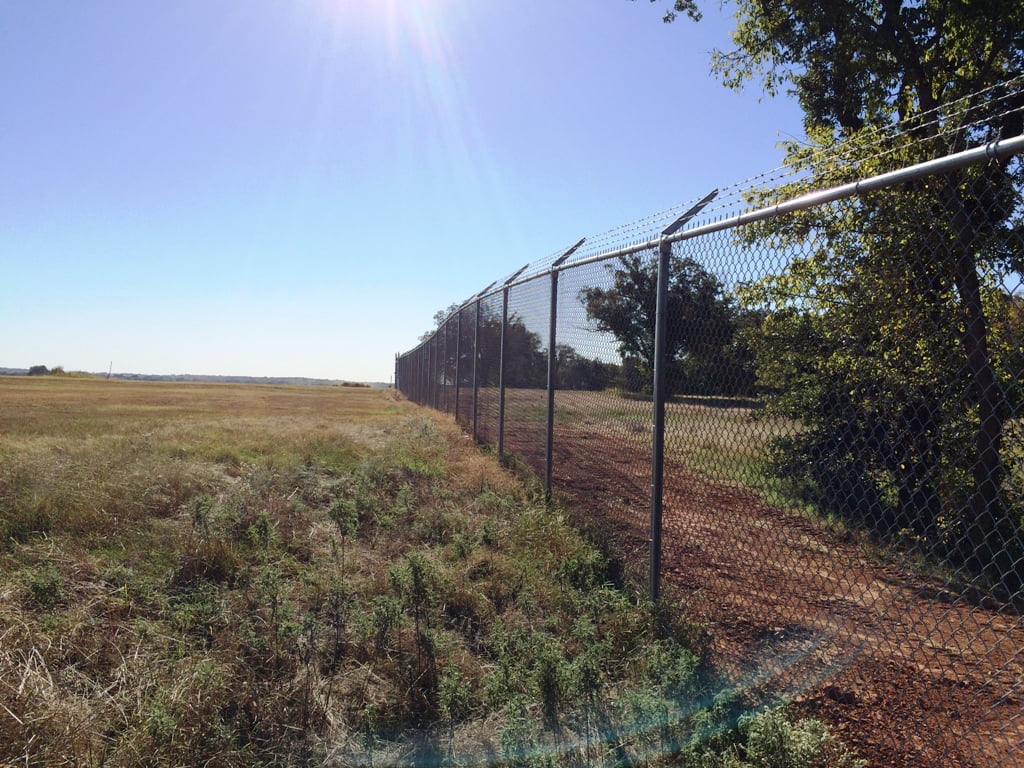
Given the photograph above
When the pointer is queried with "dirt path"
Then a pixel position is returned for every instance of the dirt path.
(906, 671)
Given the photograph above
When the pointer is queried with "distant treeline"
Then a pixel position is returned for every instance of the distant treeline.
(42, 370)
(719, 373)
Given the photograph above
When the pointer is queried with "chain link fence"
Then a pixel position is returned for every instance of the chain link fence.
(798, 403)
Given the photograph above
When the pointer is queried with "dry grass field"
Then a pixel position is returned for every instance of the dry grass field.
(229, 575)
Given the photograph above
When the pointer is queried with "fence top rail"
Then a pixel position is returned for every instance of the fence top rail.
(1000, 149)
(995, 150)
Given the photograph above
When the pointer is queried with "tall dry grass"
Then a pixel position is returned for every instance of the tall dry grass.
(225, 575)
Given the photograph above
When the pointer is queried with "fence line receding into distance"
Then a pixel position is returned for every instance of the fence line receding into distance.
(797, 403)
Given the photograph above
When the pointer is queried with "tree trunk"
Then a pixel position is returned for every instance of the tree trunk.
(989, 529)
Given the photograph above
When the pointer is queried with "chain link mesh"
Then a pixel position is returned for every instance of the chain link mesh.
(490, 351)
(526, 349)
(843, 482)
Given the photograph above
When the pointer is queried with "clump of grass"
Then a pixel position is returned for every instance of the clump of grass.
(45, 586)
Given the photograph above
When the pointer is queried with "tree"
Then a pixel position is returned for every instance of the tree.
(574, 371)
(526, 360)
(913, 406)
(700, 326)
(439, 317)
(863, 63)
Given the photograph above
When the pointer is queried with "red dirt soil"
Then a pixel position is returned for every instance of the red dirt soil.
(904, 670)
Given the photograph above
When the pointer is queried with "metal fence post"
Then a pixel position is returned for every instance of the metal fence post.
(501, 376)
(552, 362)
(431, 371)
(422, 376)
(438, 369)
(444, 366)
(503, 361)
(458, 362)
(658, 426)
(476, 367)
(549, 443)
(660, 393)
(432, 376)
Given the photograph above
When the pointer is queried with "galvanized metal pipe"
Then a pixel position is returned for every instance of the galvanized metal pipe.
(549, 458)
(502, 362)
(476, 367)
(433, 372)
(996, 150)
(658, 419)
(549, 454)
(423, 373)
(458, 363)
(444, 365)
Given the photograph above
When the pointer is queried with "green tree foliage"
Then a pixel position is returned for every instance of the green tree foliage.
(865, 348)
(701, 324)
(458, 334)
(577, 372)
(860, 63)
(689, 7)
(439, 318)
(893, 340)
(526, 357)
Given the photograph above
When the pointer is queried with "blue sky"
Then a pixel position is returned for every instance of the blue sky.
(294, 187)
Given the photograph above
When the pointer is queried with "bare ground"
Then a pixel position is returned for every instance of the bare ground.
(904, 669)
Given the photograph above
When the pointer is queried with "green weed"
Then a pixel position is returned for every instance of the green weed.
(45, 587)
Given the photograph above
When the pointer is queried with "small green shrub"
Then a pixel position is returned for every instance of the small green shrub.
(345, 515)
(45, 587)
(518, 738)
(385, 616)
(258, 532)
(414, 580)
(462, 545)
(584, 569)
(771, 739)
(549, 673)
(489, 533)
(454, 694)
(200, 509)
(675, 670)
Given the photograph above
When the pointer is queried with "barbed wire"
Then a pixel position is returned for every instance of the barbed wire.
(969, 113)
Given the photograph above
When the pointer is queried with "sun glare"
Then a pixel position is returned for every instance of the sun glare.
(416, 26)
(418, 50)
(420, 60)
